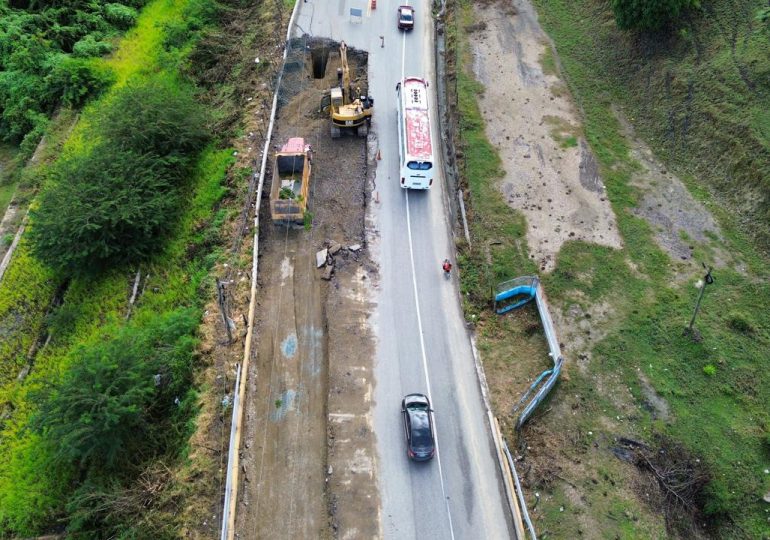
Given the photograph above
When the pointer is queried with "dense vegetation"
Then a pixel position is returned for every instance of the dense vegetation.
(48, 57)
(122, 194)
(698, 94)
(95, 411)
(649, 14)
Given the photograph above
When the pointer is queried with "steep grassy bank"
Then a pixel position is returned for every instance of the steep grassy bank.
(698, 98)
(58, 332)
(714, 391)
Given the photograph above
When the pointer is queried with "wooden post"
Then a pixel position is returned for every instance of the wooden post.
(221, 300)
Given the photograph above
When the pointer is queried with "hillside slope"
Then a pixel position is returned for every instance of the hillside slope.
(699, 92)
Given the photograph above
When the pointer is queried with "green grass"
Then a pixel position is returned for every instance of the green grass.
(721, 415)
(6, 194)
(91, 305)
(8, 175)
(31, 494)
(141, 50)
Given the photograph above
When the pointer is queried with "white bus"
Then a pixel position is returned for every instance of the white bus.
(415, 148)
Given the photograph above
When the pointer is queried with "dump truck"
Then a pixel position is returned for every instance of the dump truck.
(347, 106)
(291, 182)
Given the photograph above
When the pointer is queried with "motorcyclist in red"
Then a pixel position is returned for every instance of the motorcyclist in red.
(447, 266)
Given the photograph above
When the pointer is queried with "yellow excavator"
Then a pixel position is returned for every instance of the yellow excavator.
(349, 109)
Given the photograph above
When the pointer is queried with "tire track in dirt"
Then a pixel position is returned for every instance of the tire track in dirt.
(308, 456)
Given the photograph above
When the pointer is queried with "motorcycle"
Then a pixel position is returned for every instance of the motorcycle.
(447, 267)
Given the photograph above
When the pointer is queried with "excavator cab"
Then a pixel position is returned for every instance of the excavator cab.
(337, 100)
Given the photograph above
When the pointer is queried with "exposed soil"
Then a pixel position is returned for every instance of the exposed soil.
(680, 222)
(206, 471)
(308, 450)
(550, 174)
(581, 326)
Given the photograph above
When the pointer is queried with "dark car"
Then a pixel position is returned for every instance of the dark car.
(418, 427)
(405, 17)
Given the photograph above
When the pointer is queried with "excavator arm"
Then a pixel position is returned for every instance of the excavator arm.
(348, 96)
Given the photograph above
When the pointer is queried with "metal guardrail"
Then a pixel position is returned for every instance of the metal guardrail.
(511, 295)
(510, 479)
(519, 492)
(233, 449)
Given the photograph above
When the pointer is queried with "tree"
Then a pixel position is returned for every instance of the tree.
(106, 208)
(649, 14)
(159, 116)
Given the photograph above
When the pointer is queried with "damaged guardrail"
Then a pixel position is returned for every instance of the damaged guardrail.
(513, 294)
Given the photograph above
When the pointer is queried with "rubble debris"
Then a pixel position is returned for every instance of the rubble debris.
(320, 257)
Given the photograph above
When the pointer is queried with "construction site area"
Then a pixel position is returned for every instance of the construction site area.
(309, 375)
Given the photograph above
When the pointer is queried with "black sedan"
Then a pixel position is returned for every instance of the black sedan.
(418, 427)
(405, 17)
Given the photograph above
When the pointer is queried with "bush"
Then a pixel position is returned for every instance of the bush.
(649, 14)
(125, 512)
(158, 116)
(76, 79)
(119, 15)
(710, 370)
(103, 209)
(89, 46)
(740, 323)
(32, 138)
(119, 404)
(114, 203)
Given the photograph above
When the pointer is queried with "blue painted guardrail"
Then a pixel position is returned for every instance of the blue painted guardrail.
(513, 294)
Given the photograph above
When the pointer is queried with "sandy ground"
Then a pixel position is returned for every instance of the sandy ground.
(530, 119)
(308, 451)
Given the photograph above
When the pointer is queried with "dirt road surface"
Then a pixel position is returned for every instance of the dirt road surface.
(550, 174)
(308, 445)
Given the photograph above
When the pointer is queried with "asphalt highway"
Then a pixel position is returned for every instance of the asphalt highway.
(422, 342)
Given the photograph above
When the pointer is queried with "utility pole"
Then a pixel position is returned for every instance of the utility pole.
(708, 279)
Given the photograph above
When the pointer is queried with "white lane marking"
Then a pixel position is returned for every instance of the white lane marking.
(403, 53)
(425, 360)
